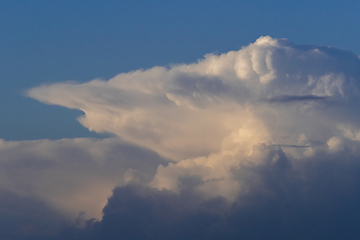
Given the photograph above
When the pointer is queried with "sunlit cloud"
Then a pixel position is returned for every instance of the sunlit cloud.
(257, 123)
(223, 105)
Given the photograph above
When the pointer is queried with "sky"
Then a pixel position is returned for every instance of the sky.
(179, 119)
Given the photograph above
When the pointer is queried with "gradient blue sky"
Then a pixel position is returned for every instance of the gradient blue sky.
(259, 139)
(53, 41)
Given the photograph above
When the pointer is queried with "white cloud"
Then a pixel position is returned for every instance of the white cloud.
(212, 116)
(187, 110)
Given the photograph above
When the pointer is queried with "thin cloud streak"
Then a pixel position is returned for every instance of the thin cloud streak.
(292, 99)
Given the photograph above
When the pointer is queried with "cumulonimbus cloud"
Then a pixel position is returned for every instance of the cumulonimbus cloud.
(203, 113)
(258, 122)
(187, 110)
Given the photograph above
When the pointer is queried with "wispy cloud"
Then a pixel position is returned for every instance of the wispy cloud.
(296, 98)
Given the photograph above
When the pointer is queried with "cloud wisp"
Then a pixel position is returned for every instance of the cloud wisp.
(291, 99)
(255, 145)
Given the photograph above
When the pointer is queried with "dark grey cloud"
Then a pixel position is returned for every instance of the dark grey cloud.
(315, 199)
(296, 98)
(24, 217)
(290, 146)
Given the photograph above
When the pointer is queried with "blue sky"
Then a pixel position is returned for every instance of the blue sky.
(52, 41)
(179, 120)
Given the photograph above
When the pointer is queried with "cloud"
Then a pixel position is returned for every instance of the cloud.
(294, 98)
(73, 175)
(282, 199)
(240, 162)
(186, 110)
(25, 217)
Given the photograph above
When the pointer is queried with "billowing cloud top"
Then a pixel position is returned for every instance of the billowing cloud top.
(257, 123)
(188, 110)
